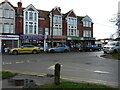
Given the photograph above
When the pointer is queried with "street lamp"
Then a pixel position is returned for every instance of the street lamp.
(52, 44)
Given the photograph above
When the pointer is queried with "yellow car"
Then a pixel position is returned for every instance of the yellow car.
(25, 49)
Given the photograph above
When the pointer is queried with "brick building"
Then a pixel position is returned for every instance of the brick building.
(34, 26)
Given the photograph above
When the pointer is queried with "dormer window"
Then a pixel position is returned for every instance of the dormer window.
(86, 23)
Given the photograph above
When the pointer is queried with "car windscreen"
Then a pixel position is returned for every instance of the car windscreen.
(112, 43)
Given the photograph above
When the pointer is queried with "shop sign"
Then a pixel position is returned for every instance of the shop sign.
(9, 37)
(89, 38)
(74, 38)
(31, 37)
(57, 37)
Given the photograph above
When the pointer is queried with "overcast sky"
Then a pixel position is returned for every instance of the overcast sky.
(100, 11)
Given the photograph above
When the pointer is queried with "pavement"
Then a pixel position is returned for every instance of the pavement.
(38, 80)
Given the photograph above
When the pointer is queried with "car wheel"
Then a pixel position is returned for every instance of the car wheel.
(90, 50)
(34, 52)
(65, 50)
(15, 52)
(115, 51)
(51, 51)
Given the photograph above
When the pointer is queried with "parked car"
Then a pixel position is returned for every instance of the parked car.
(93, 48)
(112, 47)
(25, 49)
(62, 48)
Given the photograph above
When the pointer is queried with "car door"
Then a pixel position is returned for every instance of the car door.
(118, 47)
(26, 49)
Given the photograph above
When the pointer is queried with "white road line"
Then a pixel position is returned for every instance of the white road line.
(104, 72)
(6, 63)
(19, 62)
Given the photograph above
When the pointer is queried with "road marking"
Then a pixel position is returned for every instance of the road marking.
(6, 63)
(104, 72)
(53, 67)
(19, 62)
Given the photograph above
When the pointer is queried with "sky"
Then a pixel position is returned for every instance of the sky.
(100, 11)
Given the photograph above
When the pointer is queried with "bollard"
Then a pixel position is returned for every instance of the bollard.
(57, 74)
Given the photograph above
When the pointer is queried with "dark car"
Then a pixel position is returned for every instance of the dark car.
(93, 48)
(62, 48)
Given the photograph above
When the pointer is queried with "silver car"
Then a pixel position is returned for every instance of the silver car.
(112, 47)
(62, 48)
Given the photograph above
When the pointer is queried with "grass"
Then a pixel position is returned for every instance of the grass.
(72, 86)
(4, 75)
(116, 56)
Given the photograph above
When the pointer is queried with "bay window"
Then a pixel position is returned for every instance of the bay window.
(86, 23)
(1, 12)
(6, 28)
(86, 33)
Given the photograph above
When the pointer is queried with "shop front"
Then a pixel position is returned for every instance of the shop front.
(89, 41)
(8, 42)
(57, 40)
(37, 40)
(74, 42)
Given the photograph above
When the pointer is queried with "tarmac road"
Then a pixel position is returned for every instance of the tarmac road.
(75, 66)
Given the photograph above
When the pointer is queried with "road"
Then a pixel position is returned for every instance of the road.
(76, 66)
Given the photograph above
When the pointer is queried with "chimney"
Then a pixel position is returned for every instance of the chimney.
(119, 9)
(59, 9)
(19, 4)
(19, 9)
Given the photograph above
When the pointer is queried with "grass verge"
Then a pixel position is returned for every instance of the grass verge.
(72, 86)
(116, 56)
(5, 75)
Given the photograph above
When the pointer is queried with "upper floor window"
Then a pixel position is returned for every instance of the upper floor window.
(39, 30)
(86, 24)
(30, 16)
(72, 21)
(1, 12)
(6, 13)
(35, 16)
(57, 19)
(11, 14)
(0, 27)
(11, 28)
(6, 28)
(26, 14)
(86, 33)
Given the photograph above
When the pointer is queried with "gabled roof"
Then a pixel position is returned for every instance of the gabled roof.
(79, 19)
(8, 3)
(57, 9)
(43, 14)
(68, 13)
(30, 6)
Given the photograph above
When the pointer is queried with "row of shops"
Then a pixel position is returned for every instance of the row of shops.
(14, 41)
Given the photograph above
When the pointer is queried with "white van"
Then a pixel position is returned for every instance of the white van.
(112, 47)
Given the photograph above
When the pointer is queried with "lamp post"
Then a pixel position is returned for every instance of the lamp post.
(52, 31)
